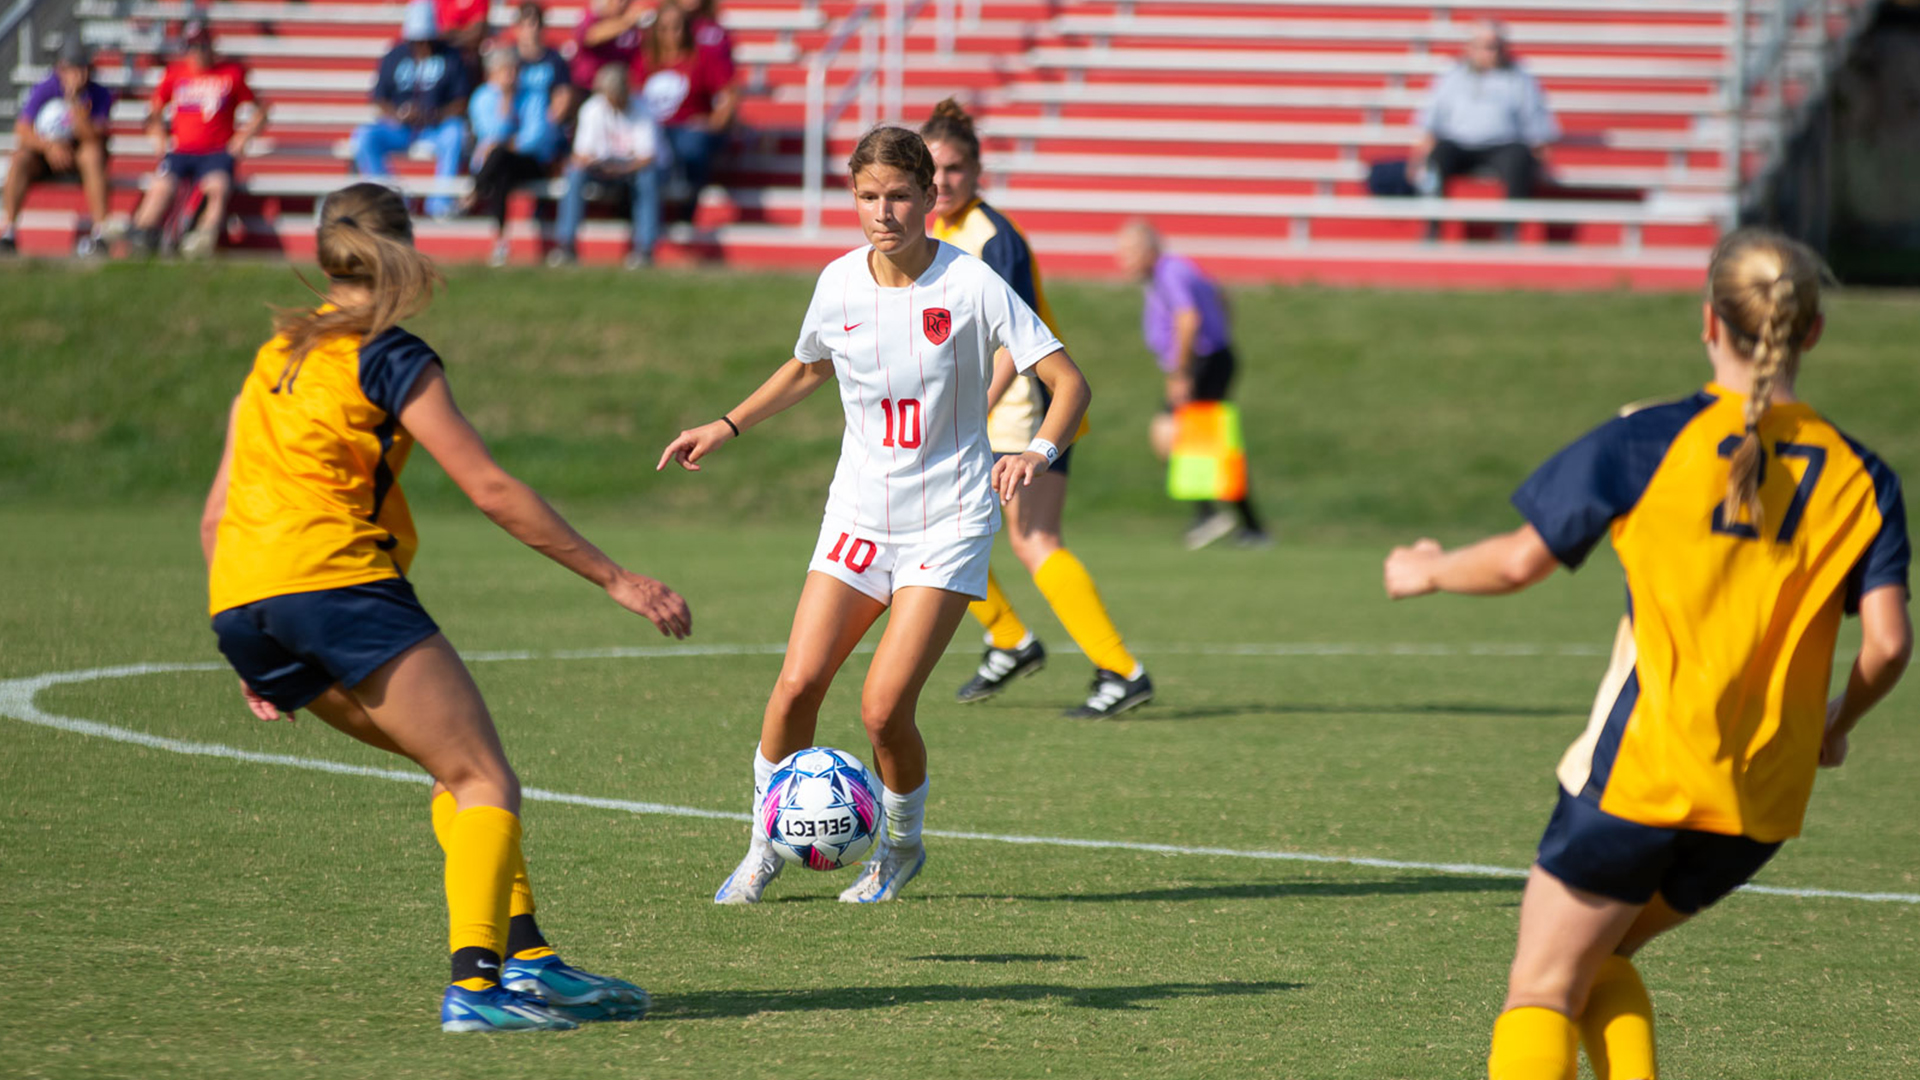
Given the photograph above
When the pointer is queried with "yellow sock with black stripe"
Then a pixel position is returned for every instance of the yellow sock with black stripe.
(1533, 1044)
(1004, 628)
(524, 940)
(483, 847)
(1070, 591)
(1617, 1027)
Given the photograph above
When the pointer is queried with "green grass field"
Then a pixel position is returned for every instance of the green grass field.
(202, 915)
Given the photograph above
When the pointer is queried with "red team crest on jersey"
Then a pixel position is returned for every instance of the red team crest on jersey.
(938, 323)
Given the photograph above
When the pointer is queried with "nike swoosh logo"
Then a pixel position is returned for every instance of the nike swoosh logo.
(935, 566)
(483, 965)
(850, 329)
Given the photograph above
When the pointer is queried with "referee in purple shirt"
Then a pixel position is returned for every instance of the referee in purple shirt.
(1185, 323)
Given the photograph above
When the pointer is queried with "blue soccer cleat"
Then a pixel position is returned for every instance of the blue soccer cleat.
(573, 993)
(497, 1009)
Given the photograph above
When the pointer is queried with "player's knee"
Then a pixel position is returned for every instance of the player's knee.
(798, 690)
(1034, 548)
(885, 718)
(1557, 989)
(91, 154)
(482, 781)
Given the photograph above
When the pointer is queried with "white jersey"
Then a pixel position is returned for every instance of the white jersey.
(913, 365)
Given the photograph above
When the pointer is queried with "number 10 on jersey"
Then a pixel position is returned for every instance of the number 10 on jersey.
(903, 415)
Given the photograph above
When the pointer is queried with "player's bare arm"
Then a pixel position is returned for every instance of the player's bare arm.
(785, 388)
(1071, 396)
(1886, 644)
(1498, 565)
(433, 419)
(1003, 376)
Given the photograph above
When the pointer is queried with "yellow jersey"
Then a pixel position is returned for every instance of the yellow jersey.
(993, 238)
(313, 499)
(1713, 709)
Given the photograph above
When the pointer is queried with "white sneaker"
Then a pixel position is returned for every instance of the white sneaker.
(751, 877)
(1216, 526)
(885, 874)
(199, 243)
(502, 253)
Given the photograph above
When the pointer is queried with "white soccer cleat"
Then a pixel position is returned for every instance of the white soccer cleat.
(885, 874)
(750, 878)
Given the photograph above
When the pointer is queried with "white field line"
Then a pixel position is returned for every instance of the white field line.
(17, 700)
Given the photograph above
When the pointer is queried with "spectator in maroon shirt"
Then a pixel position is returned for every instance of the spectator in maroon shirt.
(691, 92)
(708, 34)
(610, 34)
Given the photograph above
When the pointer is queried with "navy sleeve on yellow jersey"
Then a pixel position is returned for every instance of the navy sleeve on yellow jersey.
(1007, 252)
(389, 366)
(1885, 561)
(1573, 498)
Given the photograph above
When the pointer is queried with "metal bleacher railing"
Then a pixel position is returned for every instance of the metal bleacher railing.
(876, 82)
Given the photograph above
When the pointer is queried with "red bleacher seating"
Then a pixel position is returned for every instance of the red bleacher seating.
(1242, 127)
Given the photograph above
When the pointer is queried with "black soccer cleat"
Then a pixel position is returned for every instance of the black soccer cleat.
(1111, 694)
(998, 667)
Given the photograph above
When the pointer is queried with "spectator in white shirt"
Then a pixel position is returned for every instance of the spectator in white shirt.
(617, 145)
(1484, 114)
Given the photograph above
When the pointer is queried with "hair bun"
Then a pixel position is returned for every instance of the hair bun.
(951, 111)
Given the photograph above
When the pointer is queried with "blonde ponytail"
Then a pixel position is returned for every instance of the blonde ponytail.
(1765, 292)
(365, 238)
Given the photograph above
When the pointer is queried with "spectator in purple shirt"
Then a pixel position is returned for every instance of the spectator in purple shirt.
(1185, 324)
(61, 131)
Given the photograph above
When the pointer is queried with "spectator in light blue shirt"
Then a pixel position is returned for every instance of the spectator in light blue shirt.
(515, 141)
(1485, 114)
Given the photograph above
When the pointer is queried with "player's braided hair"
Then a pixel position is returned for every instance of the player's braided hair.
(1765, 291)
(365, 238)
(950, 124)
(895, 148)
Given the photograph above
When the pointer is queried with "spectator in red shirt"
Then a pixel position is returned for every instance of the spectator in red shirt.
(205, 92)
(463, 26)
(691, 92)
(610, 34)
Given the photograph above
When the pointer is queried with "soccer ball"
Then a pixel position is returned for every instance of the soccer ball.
(54, 122)
(822, 809)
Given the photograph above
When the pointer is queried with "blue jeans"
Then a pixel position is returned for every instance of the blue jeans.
(645, 188)
(373, 142)
(694, 149)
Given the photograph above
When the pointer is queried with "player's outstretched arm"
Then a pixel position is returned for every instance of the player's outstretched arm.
(436, 423)
(1071, 395)
(1886, 644)
(216, 507)
(1493, 567)
(784, 389)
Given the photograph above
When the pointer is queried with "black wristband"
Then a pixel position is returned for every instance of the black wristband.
(728, 420)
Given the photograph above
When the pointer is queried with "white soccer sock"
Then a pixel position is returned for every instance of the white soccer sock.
(904, 814)
(763, 775)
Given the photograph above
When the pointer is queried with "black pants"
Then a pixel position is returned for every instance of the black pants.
(1212, 378)
(503, 171)
(1513, 163)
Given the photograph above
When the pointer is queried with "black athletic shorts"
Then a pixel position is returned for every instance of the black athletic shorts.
(291, 648)
(1212, 375)
(1590, 849)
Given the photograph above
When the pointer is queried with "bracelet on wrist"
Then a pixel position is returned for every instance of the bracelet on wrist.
(1045, 449)
(728, 420)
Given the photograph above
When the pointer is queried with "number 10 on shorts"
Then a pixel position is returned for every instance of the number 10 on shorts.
(858, 555)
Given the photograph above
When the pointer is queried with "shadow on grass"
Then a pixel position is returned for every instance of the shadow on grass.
(722, 1004)
(1437, 708)
(1268, 890)
(1000, 958)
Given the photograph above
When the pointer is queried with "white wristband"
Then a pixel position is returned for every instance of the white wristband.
(1045, 449)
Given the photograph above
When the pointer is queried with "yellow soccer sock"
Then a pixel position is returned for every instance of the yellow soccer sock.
(1533, 1044)
(1617, 1027)
(483, 847)
(1004, 628)
(524, 941)
(1070, 591)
